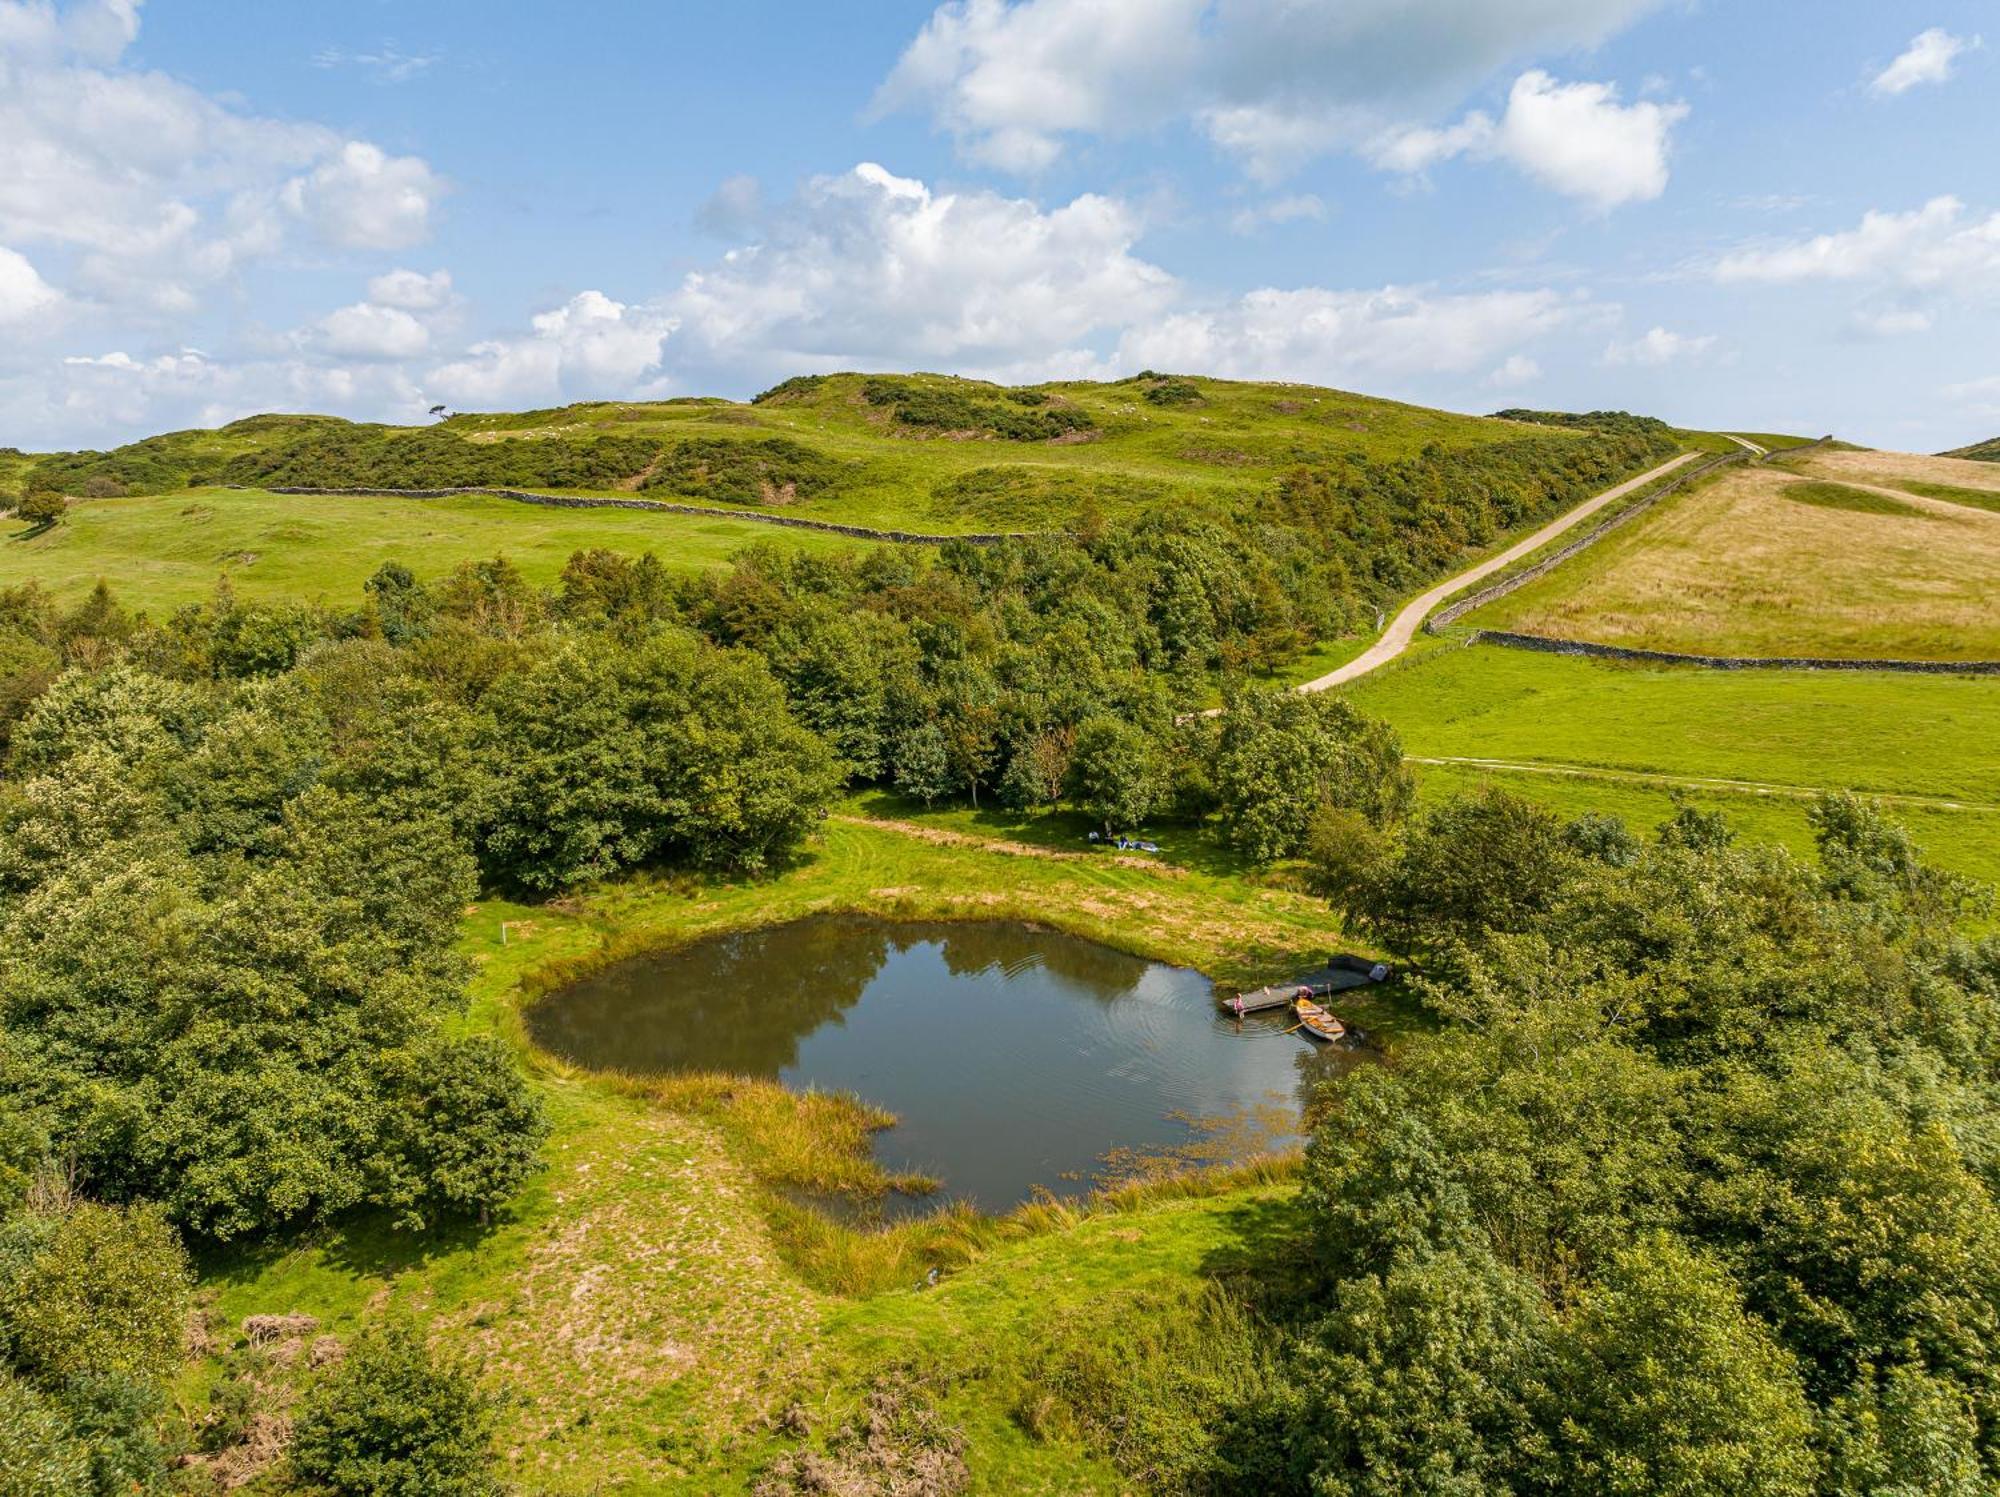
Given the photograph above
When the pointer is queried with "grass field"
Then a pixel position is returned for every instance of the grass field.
(1762, 563)
(1641, 732)
(161, 551)
(649, 1298)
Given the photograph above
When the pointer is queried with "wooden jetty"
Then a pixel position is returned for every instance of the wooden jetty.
(1337, 976)
(1263, 998)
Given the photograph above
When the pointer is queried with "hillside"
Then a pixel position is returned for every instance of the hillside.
(1981, 452)
(920, 451)
(1327, 504)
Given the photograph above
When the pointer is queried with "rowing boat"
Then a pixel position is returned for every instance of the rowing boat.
(1316, 1021)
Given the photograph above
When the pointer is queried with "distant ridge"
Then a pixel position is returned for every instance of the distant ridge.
(1982, 452)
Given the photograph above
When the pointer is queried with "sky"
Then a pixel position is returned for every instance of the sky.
(1730, 213)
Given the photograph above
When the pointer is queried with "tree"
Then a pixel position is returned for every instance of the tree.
(1666, 1385)
(1426, 1379)
(1484, 862)
(461, 1134)
(396, 1419)
(1281, 757)
(1036, 773)
(922, 762)
(1114, 774)
(41, 508)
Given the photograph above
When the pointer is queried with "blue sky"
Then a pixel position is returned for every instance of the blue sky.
(1764, 216)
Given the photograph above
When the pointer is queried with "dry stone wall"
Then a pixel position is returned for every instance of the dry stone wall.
(577, 501)
(1548, 645)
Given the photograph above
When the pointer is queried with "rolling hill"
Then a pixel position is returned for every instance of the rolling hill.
(1980, 452)
(1380, 495)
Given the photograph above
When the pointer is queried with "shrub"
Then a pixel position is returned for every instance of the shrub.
(37, 1456)
(395, 1419)
(1017, 415)
(774, 470)
(1172, 392)
(42, 507)
(104, 1291)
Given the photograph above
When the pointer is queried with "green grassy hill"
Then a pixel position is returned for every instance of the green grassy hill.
(1347, 501)
(917, 452)
(1984, 452)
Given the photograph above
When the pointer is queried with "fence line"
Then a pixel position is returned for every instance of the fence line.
(1549, 645)
(661, 506)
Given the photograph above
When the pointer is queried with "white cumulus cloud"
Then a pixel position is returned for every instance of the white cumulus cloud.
(1934, 246)
(364, 198)
(1315, 334)
(1273, 82)
(1928, 59)
(870, 268)
(1573, 137)
(149, 191)
(411, 290)
(1658, 346)
(367, 331)
(23, 292)
(591, 346)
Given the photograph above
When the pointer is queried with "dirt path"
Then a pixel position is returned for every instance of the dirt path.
(1746, 442)
(946, 837)
(1403, 628)
(1692, 782)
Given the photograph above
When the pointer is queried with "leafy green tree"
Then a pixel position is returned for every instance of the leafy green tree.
(101, 1290)
(396, 1419)
(1426, 1380)
(1114, 773)
(1904, 1434)
(610, 758)
(923, 762)
(1037, 770)
(1282, 757)
(461, 1133)
(1666, 1385)
(1485, 862)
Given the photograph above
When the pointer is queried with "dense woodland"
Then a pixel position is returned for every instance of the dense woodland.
(1690, 1185)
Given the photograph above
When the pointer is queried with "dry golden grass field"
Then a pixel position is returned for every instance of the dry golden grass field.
(1856, 556)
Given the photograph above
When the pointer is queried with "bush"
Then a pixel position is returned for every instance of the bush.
(395, 1419)
(773, 470)
(1017, 415)
(1172, 392)
(37, 1456)
(42, 507)
(102, 1291)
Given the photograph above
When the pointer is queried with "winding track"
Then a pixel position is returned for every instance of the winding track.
(1403, 628)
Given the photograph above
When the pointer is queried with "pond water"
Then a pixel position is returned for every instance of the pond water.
(1013, 1057)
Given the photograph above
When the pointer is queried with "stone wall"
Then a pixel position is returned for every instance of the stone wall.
(1549, 646)
(576, 501)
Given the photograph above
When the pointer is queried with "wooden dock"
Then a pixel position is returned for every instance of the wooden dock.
(1336, 977)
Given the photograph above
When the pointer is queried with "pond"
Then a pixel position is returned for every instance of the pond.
(1013, 1057)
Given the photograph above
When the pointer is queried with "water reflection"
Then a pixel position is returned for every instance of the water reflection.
(1013, 1057)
